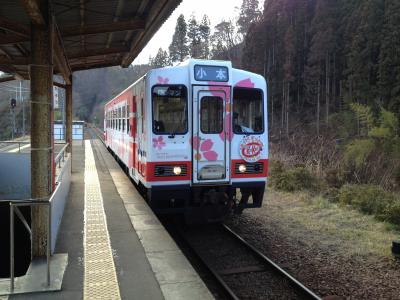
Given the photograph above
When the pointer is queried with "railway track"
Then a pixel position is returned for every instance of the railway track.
(239, 270)
(95, 133)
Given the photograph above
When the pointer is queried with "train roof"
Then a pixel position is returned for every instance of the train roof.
(190, 63)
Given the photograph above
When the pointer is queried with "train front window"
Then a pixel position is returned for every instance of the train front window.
(248, 112)
(170, 109)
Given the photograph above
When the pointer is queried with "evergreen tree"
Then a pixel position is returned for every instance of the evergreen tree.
(249, 14)
(178, 49)
(322, 51)
(204, 31)
(363, 52)
(194, 38)
(160, 60)
(224, 40)
(389, 59)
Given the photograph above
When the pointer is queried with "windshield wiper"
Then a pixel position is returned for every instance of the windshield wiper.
(172, 135)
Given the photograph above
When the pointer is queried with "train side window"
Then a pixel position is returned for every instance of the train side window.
(142, 114)
(123, 119)
(248, 111)
(127, 119)
(119, 119)
(169, 109)
(211, 114)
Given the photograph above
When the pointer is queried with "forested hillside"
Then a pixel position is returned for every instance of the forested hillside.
(333, 71)
(327, 54)
(93, 88)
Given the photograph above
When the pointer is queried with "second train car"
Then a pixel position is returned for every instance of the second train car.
(194, 137)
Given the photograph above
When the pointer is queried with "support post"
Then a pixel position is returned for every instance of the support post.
(41, 74)
(68, 112)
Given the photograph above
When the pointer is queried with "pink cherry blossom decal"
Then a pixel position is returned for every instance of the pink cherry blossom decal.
(228, 128)
(162, 80)
(195, 141)
(206, 145)
(158, 142)
(205, 149)
(245, 83)
(220, 90)
(210, 155)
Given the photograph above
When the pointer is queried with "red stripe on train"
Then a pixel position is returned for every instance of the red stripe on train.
(240, 161)
(151, 166)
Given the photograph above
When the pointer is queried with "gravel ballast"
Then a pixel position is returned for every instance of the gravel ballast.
(331, 258)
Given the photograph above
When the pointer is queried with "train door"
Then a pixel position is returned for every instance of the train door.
(211, 147)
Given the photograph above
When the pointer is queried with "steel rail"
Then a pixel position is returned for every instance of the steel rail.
(307, 293)
(293, 281)
(227, 290)
(94, 129)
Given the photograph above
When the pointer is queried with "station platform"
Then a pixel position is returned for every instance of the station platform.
(117, 248)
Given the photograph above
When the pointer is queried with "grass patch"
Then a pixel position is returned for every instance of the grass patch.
(367, 198)
(371, 200)
(292, 179)
(328, 224)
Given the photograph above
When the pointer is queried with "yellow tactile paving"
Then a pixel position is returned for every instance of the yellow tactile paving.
(100, 278)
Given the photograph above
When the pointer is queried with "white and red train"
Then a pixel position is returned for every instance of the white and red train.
(192, 136)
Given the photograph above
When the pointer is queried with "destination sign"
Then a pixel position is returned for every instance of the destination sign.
(211, 73)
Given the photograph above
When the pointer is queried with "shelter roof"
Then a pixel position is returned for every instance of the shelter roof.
(88, 33)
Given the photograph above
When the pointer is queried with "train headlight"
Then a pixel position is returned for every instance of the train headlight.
(177, 170)
(242, 168)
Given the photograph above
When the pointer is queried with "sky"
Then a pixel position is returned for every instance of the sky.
(215, 9)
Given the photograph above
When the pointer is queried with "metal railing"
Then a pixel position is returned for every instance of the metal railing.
(14, 204)
(60, 158)
(61, 155)
(14, 210)
(7, 143)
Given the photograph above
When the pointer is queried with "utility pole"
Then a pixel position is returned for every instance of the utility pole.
(13, 105)
(14, 121)
(23, 107)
